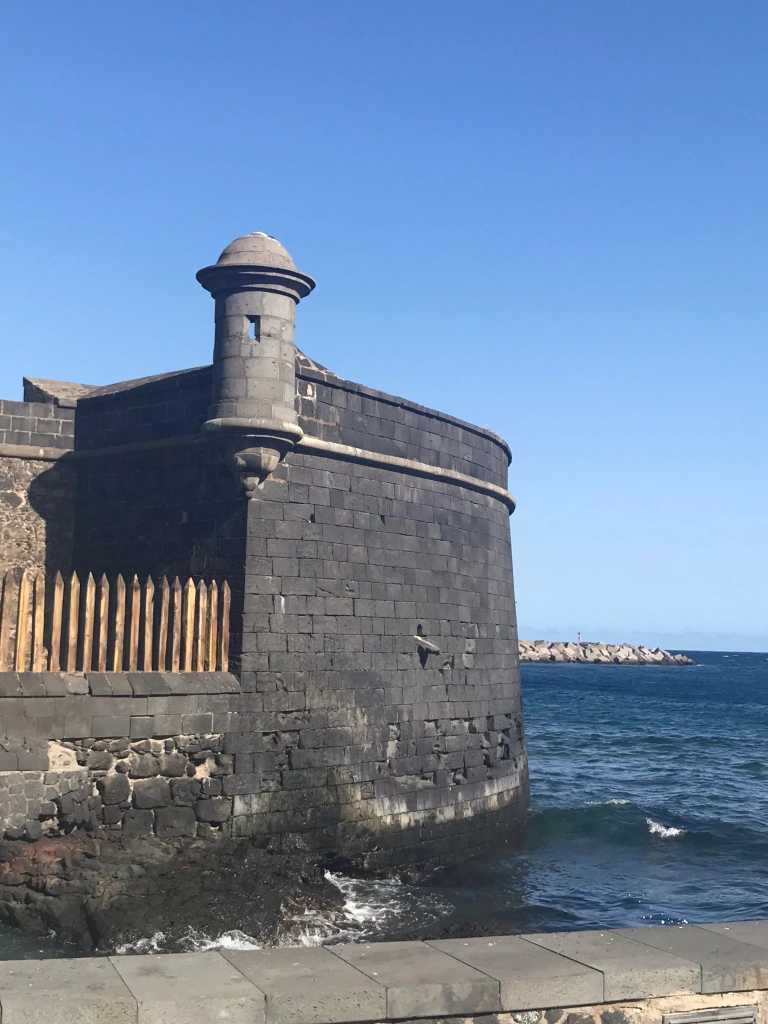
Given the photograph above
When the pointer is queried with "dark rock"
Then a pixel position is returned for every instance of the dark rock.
(66, 803)
(114, 789)
(185, 792)
(144, 766)
(112, 814)
(33, 830)
(615, 1017)
(99, 760)
(175, 821)
(123, 767)
(173, 764)
(215, 810)
(151, 792)
(138, 822)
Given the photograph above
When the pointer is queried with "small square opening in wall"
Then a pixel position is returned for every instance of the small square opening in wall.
(254, 329)
(714, 1015)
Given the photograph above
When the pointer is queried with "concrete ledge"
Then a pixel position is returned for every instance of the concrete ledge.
(116, 684)
(660, 970)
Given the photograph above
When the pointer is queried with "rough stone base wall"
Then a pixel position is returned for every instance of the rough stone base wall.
(634, 1011)
(126, 752)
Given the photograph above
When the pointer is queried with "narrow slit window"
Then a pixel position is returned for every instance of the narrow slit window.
(254, 329)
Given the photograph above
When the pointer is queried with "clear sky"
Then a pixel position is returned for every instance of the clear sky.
(544, 217)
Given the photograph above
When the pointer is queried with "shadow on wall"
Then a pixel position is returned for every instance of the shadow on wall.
(37, 514)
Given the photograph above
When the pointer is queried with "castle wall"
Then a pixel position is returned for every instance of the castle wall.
(150, 500)
(346, 733)
(391, 748)
(36, 487)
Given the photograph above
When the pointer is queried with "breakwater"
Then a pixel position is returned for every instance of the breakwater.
(708, 973)
(597, 653)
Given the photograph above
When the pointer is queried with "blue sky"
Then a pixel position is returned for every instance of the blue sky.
(544, 217)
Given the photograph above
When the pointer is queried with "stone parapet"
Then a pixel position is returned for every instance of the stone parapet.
(712, 973)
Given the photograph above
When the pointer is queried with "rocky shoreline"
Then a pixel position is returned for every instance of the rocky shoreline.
(597, 654)
(101, 893)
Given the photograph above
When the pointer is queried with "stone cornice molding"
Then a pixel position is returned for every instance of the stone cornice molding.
(316, 446)
(307, 445)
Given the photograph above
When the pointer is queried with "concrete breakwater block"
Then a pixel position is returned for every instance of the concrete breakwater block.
(177, 988)
(597, 654)
(625, 976)
(310, 986)
(64, 992)
(421, 981)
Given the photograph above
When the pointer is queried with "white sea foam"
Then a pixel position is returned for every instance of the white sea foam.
(192, 942)
(659, 830)
(606, 803)
(370, 907)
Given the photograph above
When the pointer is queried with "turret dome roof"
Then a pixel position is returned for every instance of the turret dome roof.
(256, 249)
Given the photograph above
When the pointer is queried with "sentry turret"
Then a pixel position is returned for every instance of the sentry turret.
(252, 415)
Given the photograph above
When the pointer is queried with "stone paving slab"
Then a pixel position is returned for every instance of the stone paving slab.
(727, 965)
(630, 970)
(422, 981)
(530, 976)
(82, 991)
(310, 986)
(179, 988)
(754, 932)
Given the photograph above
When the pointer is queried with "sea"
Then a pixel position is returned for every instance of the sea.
(649, 805)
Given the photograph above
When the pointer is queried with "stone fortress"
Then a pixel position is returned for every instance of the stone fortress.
(373, 704)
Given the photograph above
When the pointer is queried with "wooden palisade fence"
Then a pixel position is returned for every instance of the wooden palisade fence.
(103, 627)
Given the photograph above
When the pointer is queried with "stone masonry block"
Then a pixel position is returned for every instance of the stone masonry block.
(110, 726)
(142, 727)
(175, 822)
(200, 723)
(151, 793)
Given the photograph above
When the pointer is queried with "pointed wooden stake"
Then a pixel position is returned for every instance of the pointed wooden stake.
(162, 628)
(57, 610)
(90, 607)
(73, 622)
(176, 639)
(226, 600)
(102, 621)
(119, 643)
(201, 617)
(22, 623)
(148, 611)
(213, 627)
(133, 642)
(6, 618)
(189, 626)
(38, 623)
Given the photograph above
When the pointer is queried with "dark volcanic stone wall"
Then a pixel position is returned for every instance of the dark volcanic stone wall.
(366, 742)
(349, 734)
(36, 494)
(170, 509)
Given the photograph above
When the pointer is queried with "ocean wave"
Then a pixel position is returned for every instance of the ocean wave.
(616, 802)
(656, 829)
(193, 942)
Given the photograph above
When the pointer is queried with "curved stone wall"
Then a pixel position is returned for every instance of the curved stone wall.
(379, 712)
(392, 747)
